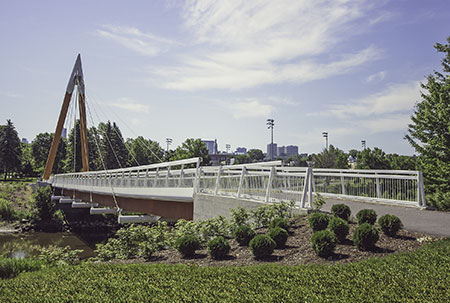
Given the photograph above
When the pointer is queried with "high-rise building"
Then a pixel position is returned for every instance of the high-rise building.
(272, 150)
(291, 150)
(25, 140)
(211, 146)
(64, 133)
(241, 150)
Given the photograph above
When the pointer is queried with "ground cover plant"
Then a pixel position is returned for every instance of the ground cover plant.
(420, 276)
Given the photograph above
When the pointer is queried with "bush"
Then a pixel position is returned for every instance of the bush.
(239, 216)
(279, 235)
(318, 221)
(45, 207)
(365, 236)
(262, 246)
(339, 227)
(342, 211)
(10, 267)
(243, 235)
(366, 216)
(323, 242)
(280, 222)
(263, 215)
(187, 245)
(390, 224)
(218, 248)
(6, 210)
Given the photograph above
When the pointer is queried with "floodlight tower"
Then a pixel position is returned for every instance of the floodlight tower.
(325, 135)
(270, 123)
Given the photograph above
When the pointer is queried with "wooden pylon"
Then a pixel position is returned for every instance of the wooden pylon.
(76, 78)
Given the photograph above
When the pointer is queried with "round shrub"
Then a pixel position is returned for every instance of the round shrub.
(390, 224)
(279, 235)
(323, 242)
(187, 245)
(342, 211)
(365, 236)
(243, 234)
(262, 246)
(366, 216)
(339, 227)
(218, 248)
(280, 222)
(318, 221)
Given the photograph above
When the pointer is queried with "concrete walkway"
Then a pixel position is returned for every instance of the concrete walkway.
(430, 222)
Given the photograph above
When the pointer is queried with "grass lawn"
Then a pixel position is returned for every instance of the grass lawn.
(421, 276)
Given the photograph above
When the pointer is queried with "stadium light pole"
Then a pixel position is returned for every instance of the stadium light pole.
(363, 144)
(325, 135)
(270, 123)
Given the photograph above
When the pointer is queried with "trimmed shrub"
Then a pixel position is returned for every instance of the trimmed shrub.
(243, 234)
(318, 221)
(365, 236)
(218, 248)
(339, 227)
(187, 245)
(323, 242)
(280, 222)
(262, 246)
(279, 235)
(366, 216)
(342, 211)
(390, 224)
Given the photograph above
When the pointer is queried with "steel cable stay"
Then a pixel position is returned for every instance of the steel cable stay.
(142, 141)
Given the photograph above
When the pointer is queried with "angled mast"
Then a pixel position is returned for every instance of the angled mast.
(76, 79)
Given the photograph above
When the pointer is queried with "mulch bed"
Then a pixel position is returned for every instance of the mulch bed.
(297, 251)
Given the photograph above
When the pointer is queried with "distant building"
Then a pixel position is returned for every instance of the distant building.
(24, 140)
(211, 146)
(272, 148)
(64, 133)
(281, 151)
(291, 150)
(241, 150)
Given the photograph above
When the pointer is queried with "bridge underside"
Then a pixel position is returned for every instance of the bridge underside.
(171, 210)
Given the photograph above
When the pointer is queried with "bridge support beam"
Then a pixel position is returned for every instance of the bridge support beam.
(166, 209)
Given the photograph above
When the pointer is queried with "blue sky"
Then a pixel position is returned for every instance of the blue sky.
(219, 69)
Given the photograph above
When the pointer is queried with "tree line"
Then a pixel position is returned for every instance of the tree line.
(106, 145)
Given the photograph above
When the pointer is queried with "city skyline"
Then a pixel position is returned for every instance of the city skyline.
(206, 69)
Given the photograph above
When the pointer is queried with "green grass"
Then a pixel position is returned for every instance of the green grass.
(421, 276)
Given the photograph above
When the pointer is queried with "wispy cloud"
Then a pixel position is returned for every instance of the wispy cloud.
(242, 44)
(248, 108)
(376, 77)
(395, 98)
(11, 95)
(130, 105)
(134, 39)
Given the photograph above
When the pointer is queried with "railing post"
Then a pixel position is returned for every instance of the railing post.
(181, 175)
(378, 186)
(198, 172)
(219, 173)
(167, 177)
(310, 187)
(269, 184)
(342, 183)
(155, 181)
(420, 190)
(241, 181)
(305, 188)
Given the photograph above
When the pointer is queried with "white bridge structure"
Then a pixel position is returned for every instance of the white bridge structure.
(172, 189)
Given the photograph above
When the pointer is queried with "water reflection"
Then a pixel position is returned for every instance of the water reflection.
(27, 244)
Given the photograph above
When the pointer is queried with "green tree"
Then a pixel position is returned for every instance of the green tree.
(10, 151)
(144, 151)
(73, 155)
(332, 157)
(112, 145)
(372, 159)
(27, 168)
(40, 149)
(429, 132)
(256, 155)
(242, 159)
(192, 148)
(402, 162)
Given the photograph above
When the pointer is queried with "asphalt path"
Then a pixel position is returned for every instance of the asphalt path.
(431, 222)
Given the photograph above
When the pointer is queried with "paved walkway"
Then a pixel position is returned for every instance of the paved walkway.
(430, 222)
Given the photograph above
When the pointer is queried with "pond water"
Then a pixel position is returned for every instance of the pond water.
(23, 244)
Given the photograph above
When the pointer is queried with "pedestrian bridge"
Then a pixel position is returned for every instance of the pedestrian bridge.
(185, 190)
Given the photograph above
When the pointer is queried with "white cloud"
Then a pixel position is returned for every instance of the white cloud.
(130, 105)
(134, 39)
(395, 98)
(376, 77)
(242, 44)
(248, 108)
(396, 122)
(11, 95)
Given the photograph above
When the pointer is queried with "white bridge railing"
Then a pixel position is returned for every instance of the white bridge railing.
(266, 181)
